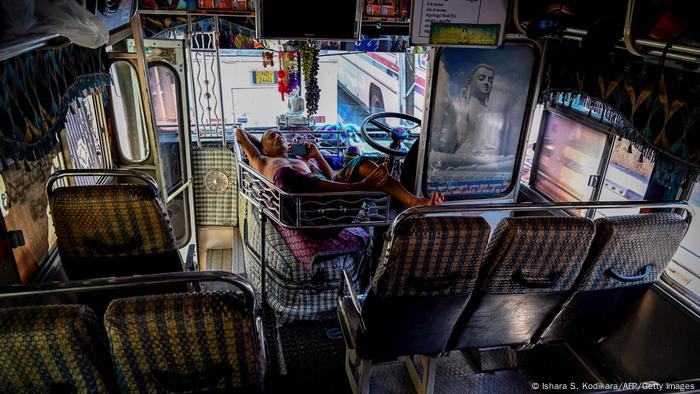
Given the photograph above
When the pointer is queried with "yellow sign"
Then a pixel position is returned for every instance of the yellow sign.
(264, 77)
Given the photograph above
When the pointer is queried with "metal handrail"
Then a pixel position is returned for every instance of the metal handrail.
(675, 51)
(124, 282)
(426, 211)
(275, 215)
(140, 281)
(100, 172)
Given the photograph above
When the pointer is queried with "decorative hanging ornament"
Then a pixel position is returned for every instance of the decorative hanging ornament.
(288, 79)
(309, 65)
(268, 59)
(281, 84)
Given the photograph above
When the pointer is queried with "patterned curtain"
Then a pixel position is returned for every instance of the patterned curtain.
(655, 107)
(37, 90)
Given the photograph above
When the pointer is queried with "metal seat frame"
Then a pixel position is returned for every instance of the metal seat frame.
(421, 368)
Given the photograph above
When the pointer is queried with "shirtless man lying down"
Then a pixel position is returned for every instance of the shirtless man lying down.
(300, 175)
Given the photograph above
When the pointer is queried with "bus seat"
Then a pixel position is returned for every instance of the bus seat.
(294, 292)
(421, 286)
(113, 230)
(53, 348)
(628, 255)
(185, 342)
(531, 264)
(410, 167)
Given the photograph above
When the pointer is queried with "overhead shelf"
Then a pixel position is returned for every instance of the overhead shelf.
(12, 48)
(646, 47)
(212, 12)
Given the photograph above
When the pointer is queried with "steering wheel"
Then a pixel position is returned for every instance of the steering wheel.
(397, 134)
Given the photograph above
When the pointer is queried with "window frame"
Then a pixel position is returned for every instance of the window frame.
(182, 134)
(603, 165)
(688, 297)
(670, 287)
(141, 108)
(67, 160)
(181, 188)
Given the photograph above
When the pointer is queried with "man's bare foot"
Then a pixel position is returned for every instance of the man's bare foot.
(435, 199)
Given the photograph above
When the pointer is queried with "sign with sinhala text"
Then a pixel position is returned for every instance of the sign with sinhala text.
(458, 22)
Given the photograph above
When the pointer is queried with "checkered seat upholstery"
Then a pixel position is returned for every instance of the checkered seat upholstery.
(185, 342)
(294, 292)
(53, 348)
(531, 265)
(628, 255)
(421, 285)
(112, 230)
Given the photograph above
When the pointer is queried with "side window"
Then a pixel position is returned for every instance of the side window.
(84, 140)
(130, 126)
(531, 142)
(684, 269)
(627, 178)
(569, 155)
(164, 86)
(84, 146)
(165, 93)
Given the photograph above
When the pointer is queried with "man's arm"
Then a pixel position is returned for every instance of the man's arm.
(250, 147)
(323, 165)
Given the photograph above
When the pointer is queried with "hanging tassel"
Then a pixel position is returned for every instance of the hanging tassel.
(629, 148)
(641, 158)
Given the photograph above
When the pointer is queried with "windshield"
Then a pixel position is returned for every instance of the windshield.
(353, 86)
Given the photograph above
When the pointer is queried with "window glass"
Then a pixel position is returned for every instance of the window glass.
(353, 86)
(179, 219)
(28, 212)
(532, 140)
(627, 178)
(685, 267)
(84, 144)
(570, 154)
(163, 85)
(128, 112)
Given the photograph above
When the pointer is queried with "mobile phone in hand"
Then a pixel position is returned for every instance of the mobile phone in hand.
(299, 150)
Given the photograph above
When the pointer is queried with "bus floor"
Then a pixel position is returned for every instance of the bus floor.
(305, 359)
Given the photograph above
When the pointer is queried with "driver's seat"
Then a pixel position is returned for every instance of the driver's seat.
(410, 167)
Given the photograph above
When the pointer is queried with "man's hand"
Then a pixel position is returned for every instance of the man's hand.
(376, 179)
(312, 150)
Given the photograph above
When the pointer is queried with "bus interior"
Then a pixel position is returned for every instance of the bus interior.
(494, 204)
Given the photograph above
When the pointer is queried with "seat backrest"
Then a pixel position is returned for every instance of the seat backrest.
(53, 348)
(124, 227)
(629, 247)
(185, 342)
(422, 284)
(531, 263)
(627, 256)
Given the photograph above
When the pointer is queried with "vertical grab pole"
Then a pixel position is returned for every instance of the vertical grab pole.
(263, 261)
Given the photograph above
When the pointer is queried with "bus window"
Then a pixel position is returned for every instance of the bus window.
(532, 140)
(164, 87)
(684, 270)
(128, 112)
(626, 179)
(86, 149)
(179, 219)
(569, 155)
(165, 100)
(353, 86)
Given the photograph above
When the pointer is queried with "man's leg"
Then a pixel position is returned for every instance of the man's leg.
(393, 187)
